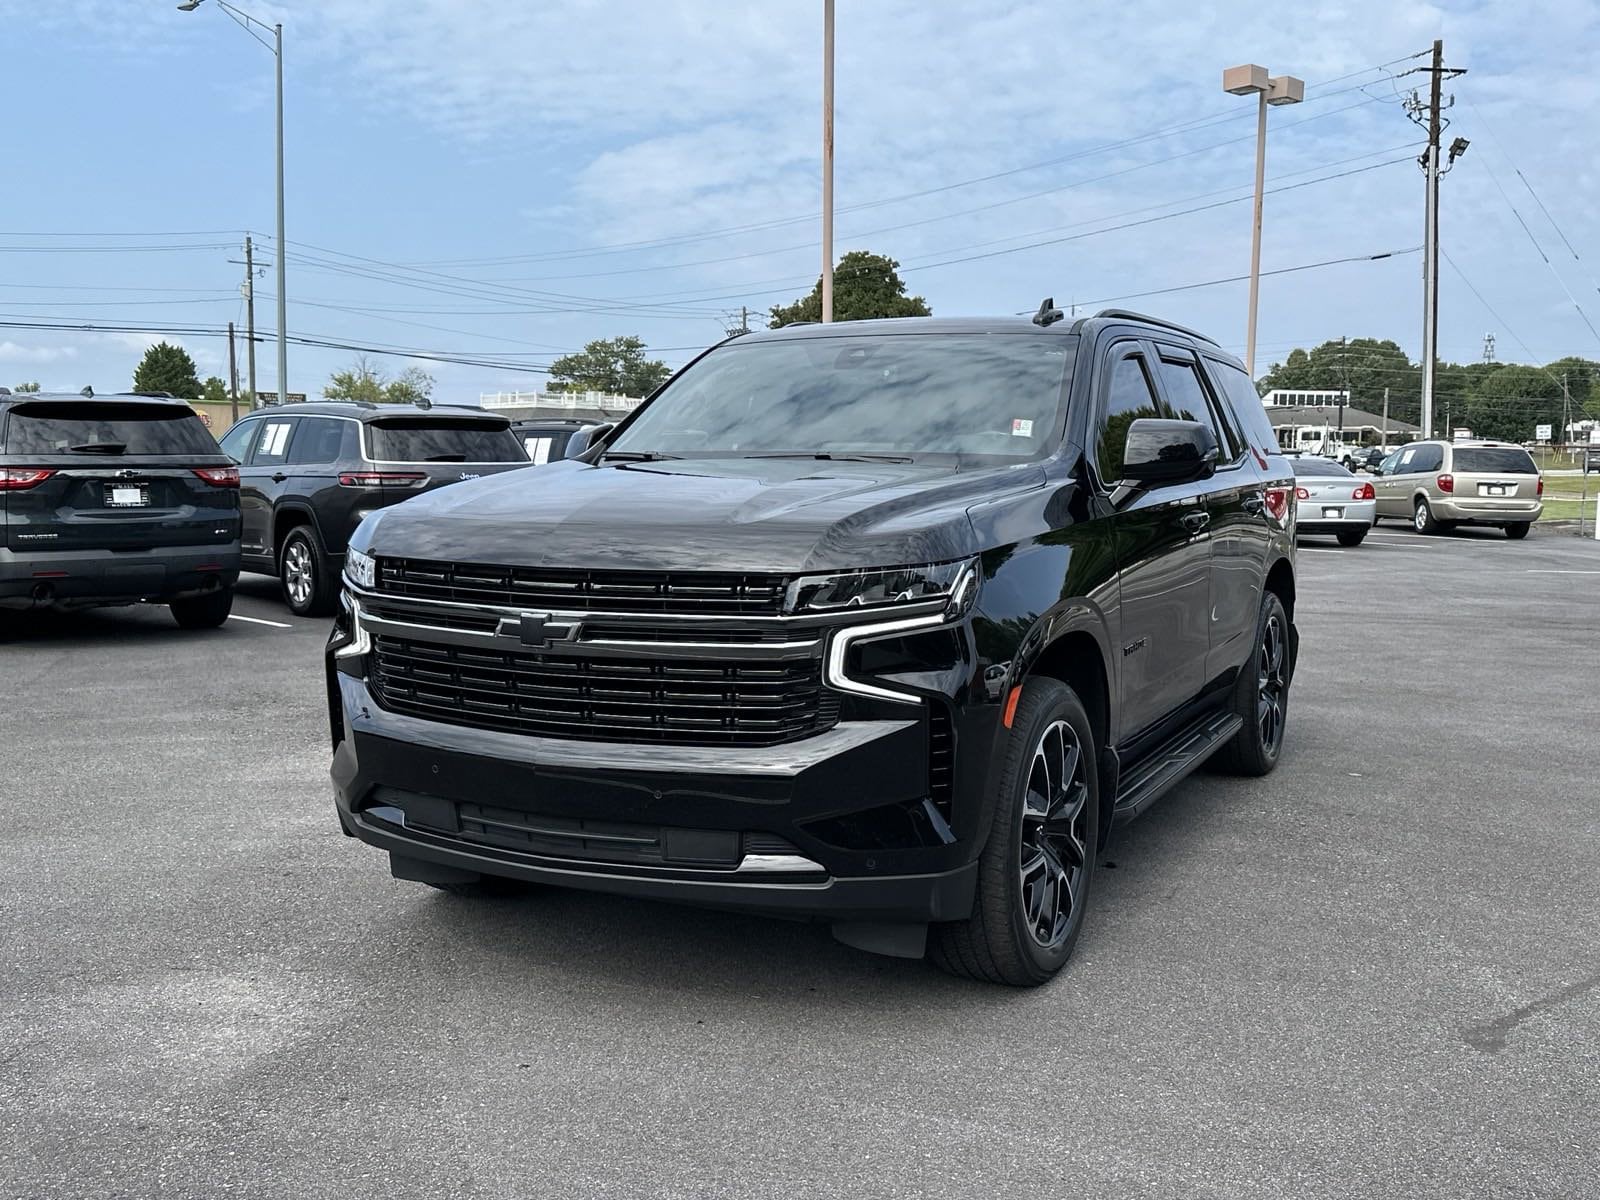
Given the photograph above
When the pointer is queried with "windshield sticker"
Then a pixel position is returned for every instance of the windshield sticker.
(1021, 428)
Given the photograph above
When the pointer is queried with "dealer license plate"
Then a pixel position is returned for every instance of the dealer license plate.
(1494, 489)
(1333, 512)
(120, 496)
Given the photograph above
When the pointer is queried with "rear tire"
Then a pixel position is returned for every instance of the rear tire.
(1261, 697)
(309, 588)
(1352, 537)
(1422, 518)
(203, 612)
(1518, 530)
(1038, 863)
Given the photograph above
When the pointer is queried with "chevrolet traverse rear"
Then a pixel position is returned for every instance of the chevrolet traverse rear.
(115, 500)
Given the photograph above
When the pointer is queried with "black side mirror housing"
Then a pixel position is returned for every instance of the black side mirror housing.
(1160, 453)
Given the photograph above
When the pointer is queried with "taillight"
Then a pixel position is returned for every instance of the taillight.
(218, 476)
(20, 479)
(366, 479)
(1364, 492)
(1301, 494)
(1278, 501)
(1447, 483)
(1539, 487)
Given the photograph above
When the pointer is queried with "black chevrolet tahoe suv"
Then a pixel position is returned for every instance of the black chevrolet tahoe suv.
(115, 500)
(884, 623)
(311, 472)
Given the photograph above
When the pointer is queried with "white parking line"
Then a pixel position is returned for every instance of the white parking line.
(259, 621)
(1318, 550)
(1553, 571)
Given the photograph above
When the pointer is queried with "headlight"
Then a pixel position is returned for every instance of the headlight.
(954, 581)
(362, 568)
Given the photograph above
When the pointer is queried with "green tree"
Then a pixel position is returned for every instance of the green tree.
(616, 365)
(31, 385)
(865, 286)
(167, 368)
(1364, 366)
(1511, 401)
(214, 391)
(1583, 379)
(366, 383)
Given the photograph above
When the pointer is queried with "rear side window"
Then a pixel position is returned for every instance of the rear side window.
(106, 427)
(1245, 402)
(318, 440)
(1505, 460)
(442, 439)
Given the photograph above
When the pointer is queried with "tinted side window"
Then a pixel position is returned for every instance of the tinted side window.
(1245, 402)
(272, 447)
(1129, 397)
(236, 442)
(317, 440)
(1189, 401)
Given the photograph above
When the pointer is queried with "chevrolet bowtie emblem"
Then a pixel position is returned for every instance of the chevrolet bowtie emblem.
(533, 629)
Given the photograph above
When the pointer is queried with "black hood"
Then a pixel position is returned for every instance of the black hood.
(757, 515)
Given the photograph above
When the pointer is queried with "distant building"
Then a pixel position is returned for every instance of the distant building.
(1316, 429)
(594, 406)
(1304, 396)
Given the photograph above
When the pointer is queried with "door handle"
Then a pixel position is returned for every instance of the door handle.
(1253, 503)
(279, 477)
(1196, 521)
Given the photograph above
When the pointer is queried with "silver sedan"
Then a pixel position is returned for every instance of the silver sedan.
(1332, 501)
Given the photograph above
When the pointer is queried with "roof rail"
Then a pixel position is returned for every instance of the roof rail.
(1127, 314)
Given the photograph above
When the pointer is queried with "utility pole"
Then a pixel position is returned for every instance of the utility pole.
(744, 319)
(1344, 378)
(250, 319)
(1432, 114)
(827, 160)
(233, 375)
(1384, 435)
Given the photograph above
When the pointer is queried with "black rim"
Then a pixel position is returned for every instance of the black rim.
(1053, 854)
(1272, 684)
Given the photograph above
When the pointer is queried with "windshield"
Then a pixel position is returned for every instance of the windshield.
(106, 427)
(988, 395)
(443, 439)
(1318, 466)
(1507, 460)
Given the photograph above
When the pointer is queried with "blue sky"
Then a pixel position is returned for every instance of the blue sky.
(507, 181)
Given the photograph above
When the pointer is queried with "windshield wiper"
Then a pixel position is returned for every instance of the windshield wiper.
(637, 456)
(99, 448)
(824, 456)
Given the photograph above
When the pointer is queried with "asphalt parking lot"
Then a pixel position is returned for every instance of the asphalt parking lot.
(1374, 973)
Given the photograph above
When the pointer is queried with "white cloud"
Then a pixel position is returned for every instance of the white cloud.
(13, 352)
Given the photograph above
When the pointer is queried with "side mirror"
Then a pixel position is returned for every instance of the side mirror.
(583, 442)
(1160, 452)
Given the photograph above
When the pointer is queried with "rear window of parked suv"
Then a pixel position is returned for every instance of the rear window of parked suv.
(441, 439)
(105, 427)
(1506, 459)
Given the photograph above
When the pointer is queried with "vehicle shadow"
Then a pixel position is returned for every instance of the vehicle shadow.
(143, 621)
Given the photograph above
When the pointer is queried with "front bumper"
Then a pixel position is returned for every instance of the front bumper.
(837, 826)
(83, 578)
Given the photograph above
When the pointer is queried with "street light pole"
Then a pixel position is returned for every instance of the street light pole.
(1274, 90)
(250, 25)
(827, 160)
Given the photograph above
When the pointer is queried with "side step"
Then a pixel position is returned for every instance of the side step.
(1171, 762)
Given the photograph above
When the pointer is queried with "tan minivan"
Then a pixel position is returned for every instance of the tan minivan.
(1439, 485)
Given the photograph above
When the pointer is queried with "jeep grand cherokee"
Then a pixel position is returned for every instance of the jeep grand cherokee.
(883, 623)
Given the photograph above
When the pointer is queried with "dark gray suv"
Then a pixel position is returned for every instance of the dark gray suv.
(309, 473)
(115, 500)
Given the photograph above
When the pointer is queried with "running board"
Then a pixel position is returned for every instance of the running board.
(1191, 746)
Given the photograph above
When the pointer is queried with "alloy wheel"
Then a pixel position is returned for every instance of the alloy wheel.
(1272, 685)
(1053, 857)
(298, 572)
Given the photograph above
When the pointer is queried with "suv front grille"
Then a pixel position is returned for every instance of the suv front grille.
(669, 701)
(682, 593)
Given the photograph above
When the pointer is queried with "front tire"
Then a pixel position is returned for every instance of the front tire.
(1518, 530)
(1038, 863)
(1261, 697)
(203, 612)
(309, 588)
(1352, 537)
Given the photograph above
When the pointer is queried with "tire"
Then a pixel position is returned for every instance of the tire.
(309, 588)
(1352, 537)
(1261, 697)
(1422, 519)
(1045, 831)
(203, 612)
(1518, 530)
